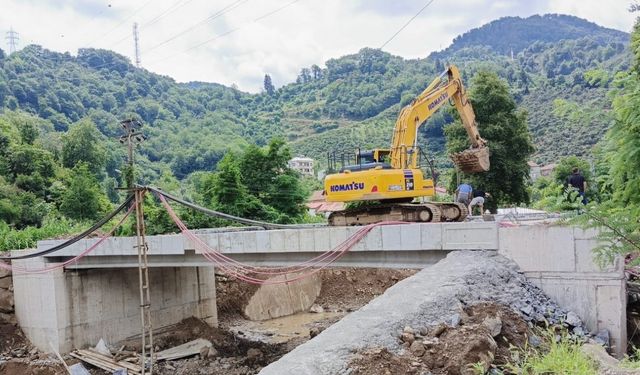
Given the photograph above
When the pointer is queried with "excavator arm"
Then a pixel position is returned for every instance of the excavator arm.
(404, 144)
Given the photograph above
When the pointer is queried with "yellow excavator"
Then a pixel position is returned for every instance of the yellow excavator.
(393, 176)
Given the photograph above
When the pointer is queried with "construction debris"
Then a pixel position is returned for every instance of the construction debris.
(105, 362)
(78, 369)
(102, 348)
(188, 349)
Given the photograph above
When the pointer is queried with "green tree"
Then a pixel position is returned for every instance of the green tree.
(506, 132)
(565, 167)
(82, 144)
(83, 198)
(230, 195)
(266, 174)
(28, 132)
(288, 196)
(19, 208)
(618, 216)
(268, 85)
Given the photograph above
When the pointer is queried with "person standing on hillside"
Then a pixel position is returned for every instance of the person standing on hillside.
(576, 180)
(463, 193)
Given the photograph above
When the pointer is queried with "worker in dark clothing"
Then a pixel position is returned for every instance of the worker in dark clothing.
(576, 180)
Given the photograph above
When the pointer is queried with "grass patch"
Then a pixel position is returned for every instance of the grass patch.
(558, 354)
(12, 239)
(632, 361)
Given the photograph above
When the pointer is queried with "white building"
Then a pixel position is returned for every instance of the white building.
(534, 170)
(302, 165)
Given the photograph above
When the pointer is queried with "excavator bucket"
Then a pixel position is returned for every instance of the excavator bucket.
(473, 160)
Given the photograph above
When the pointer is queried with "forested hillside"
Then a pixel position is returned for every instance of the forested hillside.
(560, 77)
(561, 83)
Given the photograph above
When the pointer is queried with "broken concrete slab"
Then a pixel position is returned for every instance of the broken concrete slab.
(276, 300)
(185, 350)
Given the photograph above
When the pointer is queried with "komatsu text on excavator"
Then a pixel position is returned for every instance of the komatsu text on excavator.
(393, 176)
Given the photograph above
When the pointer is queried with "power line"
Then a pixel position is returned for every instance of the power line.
(208, 40)
(229, 31)
(13, 38)
(175, 6)
(169, 10)
(406, 24)
(219, 13)
(123, 21)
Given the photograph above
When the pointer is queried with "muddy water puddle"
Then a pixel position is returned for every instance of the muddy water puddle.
(286, 328)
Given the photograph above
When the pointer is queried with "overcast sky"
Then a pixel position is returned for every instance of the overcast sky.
(244, 39)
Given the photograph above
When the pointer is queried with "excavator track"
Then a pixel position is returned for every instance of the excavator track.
(433, 212)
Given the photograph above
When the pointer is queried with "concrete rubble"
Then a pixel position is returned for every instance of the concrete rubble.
(436, 294)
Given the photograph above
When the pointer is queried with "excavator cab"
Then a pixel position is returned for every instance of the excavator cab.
(377, 155)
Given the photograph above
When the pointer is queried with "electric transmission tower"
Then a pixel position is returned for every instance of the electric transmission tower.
(136, 44)
(12, 38)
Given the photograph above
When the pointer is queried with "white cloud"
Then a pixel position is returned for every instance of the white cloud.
(304, 33)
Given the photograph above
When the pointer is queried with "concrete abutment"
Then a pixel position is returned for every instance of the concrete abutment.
(74, 309)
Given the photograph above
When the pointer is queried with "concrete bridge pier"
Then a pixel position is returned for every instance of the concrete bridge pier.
(75, 308)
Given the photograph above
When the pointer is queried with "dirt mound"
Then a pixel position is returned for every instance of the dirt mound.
(514, 331)
(11, 337)
(232, 295)
(380, 361)
(478, 337)
(352, 288)
(227, 344)
(231, 354)
(16, 367)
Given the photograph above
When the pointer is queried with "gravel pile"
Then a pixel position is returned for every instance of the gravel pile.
(434, 295)
(508, 286)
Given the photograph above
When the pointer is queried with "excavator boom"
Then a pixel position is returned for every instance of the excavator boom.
(439, 92)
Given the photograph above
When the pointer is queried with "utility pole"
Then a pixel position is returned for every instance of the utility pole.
(133, 136)
(12, 38)
(136, 44)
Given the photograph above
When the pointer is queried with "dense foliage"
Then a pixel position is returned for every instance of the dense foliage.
(59, 118)
(619, 213)
(615, 173)
(505, 130)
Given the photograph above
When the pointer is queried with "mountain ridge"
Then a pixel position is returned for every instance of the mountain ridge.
(517, 33)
